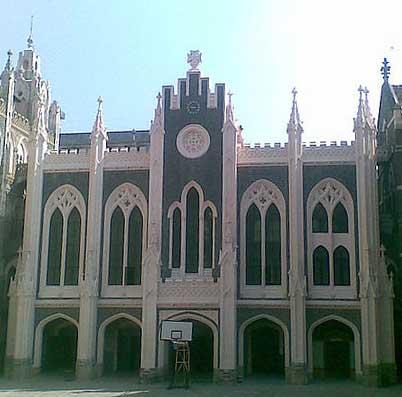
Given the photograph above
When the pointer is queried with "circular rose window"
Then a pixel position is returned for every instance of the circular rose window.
(193, 141)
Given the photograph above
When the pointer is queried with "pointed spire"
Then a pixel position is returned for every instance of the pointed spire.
(367, 111)
(157, 121)
(229, 108)
(294, 120)
(359, 120)
(385, 69)
(99, 126)
(30, 40)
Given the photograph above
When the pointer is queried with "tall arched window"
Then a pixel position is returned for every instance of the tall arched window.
(331, 200)
(253, 246)
(320, 219)
(208, 238)
(63, 242)
(124, 237)
(116, 250)
(55, 243)
(341, 266)
(273, 246)
(192, 231)
(176, 239)
(133, 275)
(339, 219)
(73, 248)
(321, 266)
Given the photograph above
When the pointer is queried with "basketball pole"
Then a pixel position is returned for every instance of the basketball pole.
(182, 365)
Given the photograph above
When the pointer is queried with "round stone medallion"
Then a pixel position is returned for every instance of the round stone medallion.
(193, 141)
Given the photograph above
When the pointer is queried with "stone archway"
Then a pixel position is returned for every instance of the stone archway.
(56, 336)
(203, 348)
(334, 348)
(119, 345)
(264, 350)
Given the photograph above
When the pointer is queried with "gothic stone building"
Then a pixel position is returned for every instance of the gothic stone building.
(271, 251)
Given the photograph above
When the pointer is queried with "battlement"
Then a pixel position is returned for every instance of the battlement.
(332, 151)
(190, 88)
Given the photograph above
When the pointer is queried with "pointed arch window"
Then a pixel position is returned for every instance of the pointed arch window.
(63, 241)
(192, 232)
(208, 238)
(321, 266)
(133, 275)
(320, 219)
(176, 239)
(340, 219)
(263, 241)
(124, 236)
(253, 246)
(341, 266)
(273, 246)
(55, 243)
(73, 248)
(116, 250)
(330, 214)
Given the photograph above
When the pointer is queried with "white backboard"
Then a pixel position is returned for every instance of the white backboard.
(181, 331)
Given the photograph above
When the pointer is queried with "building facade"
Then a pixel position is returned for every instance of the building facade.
(271, 251)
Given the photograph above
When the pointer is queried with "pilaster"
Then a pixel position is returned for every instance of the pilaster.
(152, 262)
(297, 372)
(228, 257)
(89, 282)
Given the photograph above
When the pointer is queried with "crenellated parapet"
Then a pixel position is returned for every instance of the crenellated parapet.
(333, 151)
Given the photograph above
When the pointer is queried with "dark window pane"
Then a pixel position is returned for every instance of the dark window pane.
(341, 266)
(73, 248)
(253, 246)
(208, 245)
(273, 246)
(133, 276)
(116, 248)
(54, 252)
(320, 219)
(192, 232)
(321, 266)
(339, 219)
(176, 248)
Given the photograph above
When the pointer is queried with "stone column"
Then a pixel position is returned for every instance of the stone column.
(228, 259)
(297, 372)
(375, 285)
(152, 261)
(89, 285)
(22, 291)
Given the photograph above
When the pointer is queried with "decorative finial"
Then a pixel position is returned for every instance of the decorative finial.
(159, 98)
(294, 93)
(385, 69)
(360, 116)
(194, 59)
(361, 91)
(229, 107)
(8, 64)
(99, 126)
(30, 40)
(100, 101)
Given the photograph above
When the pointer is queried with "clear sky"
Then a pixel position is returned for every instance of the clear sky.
(126, 50)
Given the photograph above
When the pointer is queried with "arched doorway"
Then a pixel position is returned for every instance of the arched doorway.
(264, 349)
(333, 350)
(122, 347)
(59, 346)
(201, 352)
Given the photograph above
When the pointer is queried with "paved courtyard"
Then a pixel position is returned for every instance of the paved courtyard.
(125, 387)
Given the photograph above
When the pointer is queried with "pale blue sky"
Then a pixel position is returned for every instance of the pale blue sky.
(126, 50)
